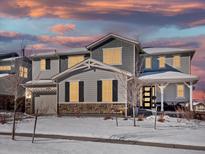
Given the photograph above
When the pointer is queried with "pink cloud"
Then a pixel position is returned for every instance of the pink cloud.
(62, 28)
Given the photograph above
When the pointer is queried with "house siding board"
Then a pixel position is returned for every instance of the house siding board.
(46, 74)
(127, 53)
(90, 79)
(170, 94)
(185, 64)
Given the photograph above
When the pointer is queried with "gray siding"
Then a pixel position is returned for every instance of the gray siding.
(90, 79)
(127, 53)
(46, 74)
(170, 94)
(185, 63)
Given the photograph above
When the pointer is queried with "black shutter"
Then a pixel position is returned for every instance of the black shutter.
(99, 91)
(114, 90)
(48, 64)
(67, 92)
(81, 91)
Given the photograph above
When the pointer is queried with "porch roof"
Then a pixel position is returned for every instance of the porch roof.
(36, 83)
(168, 77)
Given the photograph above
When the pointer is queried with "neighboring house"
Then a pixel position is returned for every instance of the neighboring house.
(14, 71)
(93, 80)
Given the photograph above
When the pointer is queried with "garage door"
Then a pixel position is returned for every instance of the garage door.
(46, 104)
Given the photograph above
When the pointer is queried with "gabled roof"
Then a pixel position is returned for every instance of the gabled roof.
(108, 36)
(88, 63)
(154, 51)
(34, 83)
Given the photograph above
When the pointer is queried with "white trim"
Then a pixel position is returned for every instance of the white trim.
(93, 63)
(109, 36)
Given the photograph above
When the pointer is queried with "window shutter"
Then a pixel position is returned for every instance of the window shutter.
(48, 64)
(67, 92)
(99, 91)
(115, 91)
(81, 91)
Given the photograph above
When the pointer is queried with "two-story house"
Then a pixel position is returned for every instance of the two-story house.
(14, 71)
(93, 80)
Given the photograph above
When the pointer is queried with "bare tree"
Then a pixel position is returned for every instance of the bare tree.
(133, 85)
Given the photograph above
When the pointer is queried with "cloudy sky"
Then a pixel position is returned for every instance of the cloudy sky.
(63, 24)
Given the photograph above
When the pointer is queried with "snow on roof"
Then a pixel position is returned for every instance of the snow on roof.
(169, 76)
(57, 53)
(4, 75)
(9, 59)
(39, 82)
(166, 50)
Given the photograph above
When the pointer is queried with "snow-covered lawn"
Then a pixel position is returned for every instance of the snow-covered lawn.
(49, 146)
(185, 132)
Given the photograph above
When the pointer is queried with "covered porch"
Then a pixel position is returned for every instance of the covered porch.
(160, 81)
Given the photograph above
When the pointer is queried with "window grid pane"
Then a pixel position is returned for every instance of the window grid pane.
(177, 61)
(74, 91)
(43, 64)
(180, 90)
(73, 60)
(161, 62)
(5, 68)
(148, 62)
(112, 56)
(107, 90)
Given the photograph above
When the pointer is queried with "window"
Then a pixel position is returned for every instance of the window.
(161, 62)
(112, 56)
(45, 64)
(73, 60)
(177, 61)
(180, 90)
(148, 62)
(107, 90)
(5, 68)
(74, 91)
(23, 72)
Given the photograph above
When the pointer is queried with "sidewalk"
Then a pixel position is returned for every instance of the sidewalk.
(113, 141)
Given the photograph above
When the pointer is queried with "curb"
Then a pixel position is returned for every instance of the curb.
(114, 141)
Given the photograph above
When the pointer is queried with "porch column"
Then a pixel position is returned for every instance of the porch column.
(190, 96)
(190, 86)
(57, 98)
(162, 87)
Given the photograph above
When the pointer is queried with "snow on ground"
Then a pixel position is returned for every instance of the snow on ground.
(23, 145)
(185, 132)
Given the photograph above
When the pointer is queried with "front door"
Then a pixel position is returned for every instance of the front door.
(148, 97)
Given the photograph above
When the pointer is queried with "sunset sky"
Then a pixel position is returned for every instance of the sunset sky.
(63, 24)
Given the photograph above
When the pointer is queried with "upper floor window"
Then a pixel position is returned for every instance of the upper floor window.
(45, 64)
(5, 68)
(180, 90)
(177, 61)
(148, 62)
(162, 62)
(112, 56)
(73, 60)
(23, 72)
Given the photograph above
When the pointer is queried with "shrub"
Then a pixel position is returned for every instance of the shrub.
(140, 117)
(161, 118)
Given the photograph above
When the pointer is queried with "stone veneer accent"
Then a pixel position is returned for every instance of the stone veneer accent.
(80, 108)
(28, 106)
